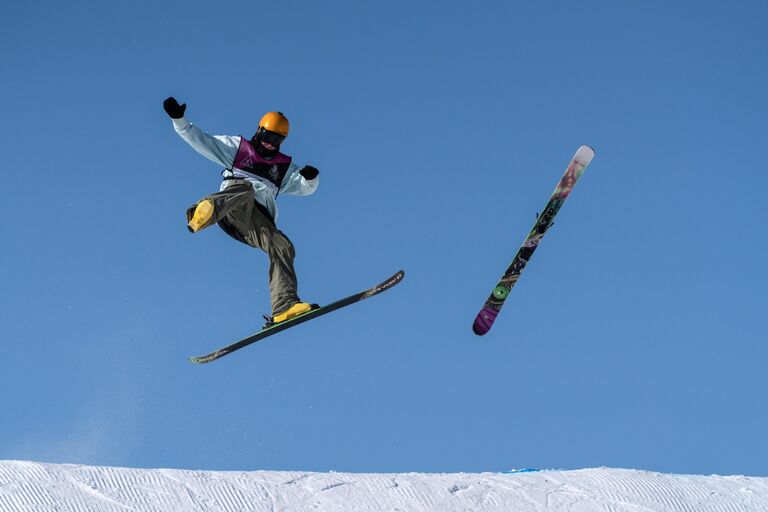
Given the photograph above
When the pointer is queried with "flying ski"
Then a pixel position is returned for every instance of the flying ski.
(487, 315)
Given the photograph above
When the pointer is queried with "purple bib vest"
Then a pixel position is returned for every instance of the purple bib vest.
(248, 160)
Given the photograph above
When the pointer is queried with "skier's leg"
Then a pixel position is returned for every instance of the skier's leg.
(238, 214)
(283, 285)
(215, 207)
(263, 233)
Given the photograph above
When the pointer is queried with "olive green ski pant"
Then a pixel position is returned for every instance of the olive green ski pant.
(236, 212)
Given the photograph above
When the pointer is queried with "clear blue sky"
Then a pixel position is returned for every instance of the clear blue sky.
(635, 338)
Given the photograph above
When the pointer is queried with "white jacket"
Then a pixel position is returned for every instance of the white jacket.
(222, 149)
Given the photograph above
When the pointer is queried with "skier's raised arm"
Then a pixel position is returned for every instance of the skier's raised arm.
(300, 181)
(217, 148)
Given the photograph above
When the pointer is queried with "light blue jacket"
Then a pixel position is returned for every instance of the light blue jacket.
(222, 149)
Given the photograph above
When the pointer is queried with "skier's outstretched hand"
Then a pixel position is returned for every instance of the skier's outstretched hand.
(309, 172)
(173, 109)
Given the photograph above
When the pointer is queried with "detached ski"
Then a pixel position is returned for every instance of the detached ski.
(314, 313)
(487, 315)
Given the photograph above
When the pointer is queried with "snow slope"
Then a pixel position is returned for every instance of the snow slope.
(27, 486)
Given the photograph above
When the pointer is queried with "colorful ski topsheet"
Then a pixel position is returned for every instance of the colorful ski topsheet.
(314, 313)
(487, 315)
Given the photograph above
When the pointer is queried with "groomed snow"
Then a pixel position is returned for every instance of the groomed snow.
(28, 486)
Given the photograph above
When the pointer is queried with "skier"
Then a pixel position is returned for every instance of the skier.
(255, 173)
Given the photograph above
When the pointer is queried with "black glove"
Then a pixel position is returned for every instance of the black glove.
(309, 172)
(173, 109)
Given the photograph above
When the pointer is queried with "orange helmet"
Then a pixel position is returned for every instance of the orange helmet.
(275, 122)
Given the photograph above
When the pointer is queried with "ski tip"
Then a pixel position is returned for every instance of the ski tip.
(395, 279)
(207, 359)
(584, 154)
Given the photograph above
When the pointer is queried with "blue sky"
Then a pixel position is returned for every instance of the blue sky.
(635, 337)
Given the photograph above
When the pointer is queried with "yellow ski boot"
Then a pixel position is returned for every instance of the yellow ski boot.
(201, 217)
(292, 312)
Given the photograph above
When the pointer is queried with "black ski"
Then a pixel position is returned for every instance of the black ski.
(314, 313)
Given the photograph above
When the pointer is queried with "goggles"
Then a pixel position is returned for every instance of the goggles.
(272, 138)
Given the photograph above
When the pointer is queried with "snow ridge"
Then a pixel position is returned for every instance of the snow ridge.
(75, 488)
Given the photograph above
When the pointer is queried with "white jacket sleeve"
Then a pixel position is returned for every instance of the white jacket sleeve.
(221, 149)
(294, 183)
